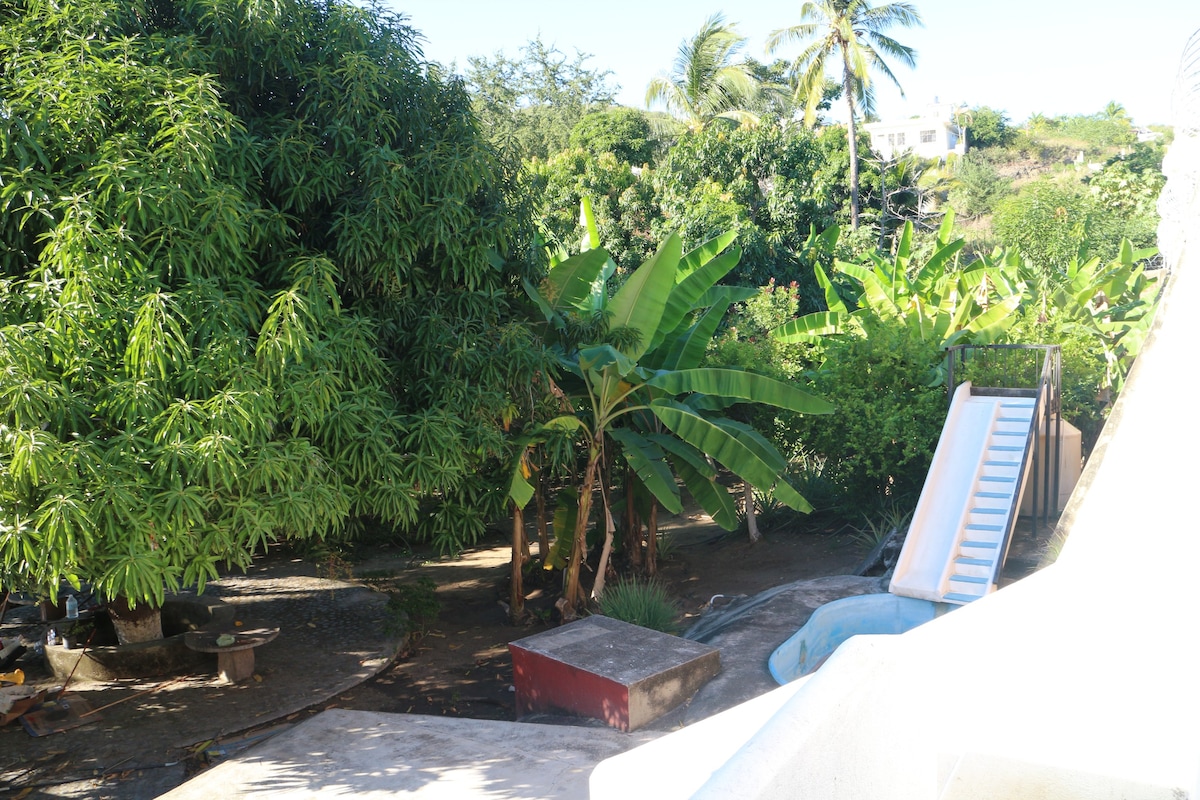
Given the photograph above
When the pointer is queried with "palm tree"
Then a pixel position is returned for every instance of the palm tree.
(704, 84)
(1115, 111)
(853, 31)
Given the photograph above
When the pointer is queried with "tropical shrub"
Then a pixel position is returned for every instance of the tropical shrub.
(888, 414)
(883, 361)
(252, 287)
(977, 187)
(988, 127)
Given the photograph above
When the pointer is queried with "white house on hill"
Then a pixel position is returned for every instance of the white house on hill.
(935, 134)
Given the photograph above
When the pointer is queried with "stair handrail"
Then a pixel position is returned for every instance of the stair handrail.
(1047, 393)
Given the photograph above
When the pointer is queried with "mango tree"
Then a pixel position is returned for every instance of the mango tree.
(635, 385)
(252, 287)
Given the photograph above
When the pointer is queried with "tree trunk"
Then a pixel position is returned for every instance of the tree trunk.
(633, 525)
(606, 551)
(141, 624)
(751, 516)
(847, 89)
(574, 593)
(542, 528)
(516, 595)
(652, 540)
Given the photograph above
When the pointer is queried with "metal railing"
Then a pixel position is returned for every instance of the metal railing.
(1020, 370)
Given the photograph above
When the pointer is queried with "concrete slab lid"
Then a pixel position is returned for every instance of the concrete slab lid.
(373, 756)
(625, 653)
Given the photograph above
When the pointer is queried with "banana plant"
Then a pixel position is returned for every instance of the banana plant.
(636, 386)
(1115, 302)
(935, 300)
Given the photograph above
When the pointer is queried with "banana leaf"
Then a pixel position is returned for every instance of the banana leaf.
(726, 449)
(811, 327)
(744, 386)
(683, 298)
(649, 463)
(688, 350)
(570, 285)
(697, 257)
(641, 300)
(712, 496)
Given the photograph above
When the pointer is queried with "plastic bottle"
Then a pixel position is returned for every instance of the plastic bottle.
(72, 607)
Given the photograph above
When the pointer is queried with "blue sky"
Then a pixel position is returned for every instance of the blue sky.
(1021, 56)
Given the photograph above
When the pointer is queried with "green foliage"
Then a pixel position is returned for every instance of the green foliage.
(530, 105)
(880, 440)
(638, 389)
(624, 132)
(977, 187)
(1097, 130)
(623, 202)
(767, 185)
(1047, 223)
(644, 603)
(412, 608)
(883, 363)
(988, 127)
(249, 290)
(891, 516)
(1129, 185)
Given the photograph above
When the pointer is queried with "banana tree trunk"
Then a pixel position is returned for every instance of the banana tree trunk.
(751, 516)
(542, 528)
(633, 525)
(652, 541)
(574, 592)
(606, 551)
(516, 598)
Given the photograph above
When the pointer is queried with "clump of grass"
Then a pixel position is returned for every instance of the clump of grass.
(876, 527)
(644, 603)
(665, 547)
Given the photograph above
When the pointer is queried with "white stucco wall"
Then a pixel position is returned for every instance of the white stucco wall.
(892, 138)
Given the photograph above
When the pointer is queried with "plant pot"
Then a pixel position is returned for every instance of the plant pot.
(140, 624)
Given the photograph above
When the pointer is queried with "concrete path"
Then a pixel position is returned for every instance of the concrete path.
(365, 755)
(361, 754)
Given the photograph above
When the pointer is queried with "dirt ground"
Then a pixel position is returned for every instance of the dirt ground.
(461, 667)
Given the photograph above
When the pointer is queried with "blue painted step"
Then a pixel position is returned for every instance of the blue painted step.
(955, 597)
(971, 543)
(968, 579)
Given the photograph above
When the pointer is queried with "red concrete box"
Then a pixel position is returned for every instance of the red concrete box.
(609, 670)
